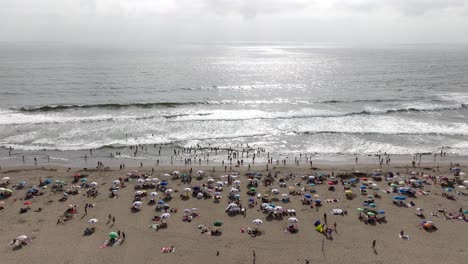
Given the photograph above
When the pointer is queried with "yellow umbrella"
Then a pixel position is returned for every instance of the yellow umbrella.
(348, 191)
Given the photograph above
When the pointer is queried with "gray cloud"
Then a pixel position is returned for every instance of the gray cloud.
(155, 21)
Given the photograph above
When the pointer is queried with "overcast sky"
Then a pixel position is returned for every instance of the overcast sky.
(153, 21)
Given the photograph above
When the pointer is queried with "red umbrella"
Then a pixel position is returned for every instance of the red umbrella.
(330, 183)
(27, 203)
(364, 179)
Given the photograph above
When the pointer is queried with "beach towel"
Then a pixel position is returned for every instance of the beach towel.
(168, 250)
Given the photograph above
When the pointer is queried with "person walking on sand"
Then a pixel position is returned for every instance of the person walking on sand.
(113, 220)
(325, 217)
(373, 243)
(123, 235)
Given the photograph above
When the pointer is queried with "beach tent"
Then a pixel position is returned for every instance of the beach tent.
(293, 220)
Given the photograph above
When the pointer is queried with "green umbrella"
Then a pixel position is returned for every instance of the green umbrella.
(218, 223)
(370, 214)
(113, 235)
(393, 185)
(360, 209)
(253, 189)
(465, 212)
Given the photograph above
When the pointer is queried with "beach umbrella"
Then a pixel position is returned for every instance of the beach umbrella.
(330, 183)
(370, 196)
(363, 187)
(113, 235)
(307, 196)
(252, 189)
(349, 191)
(153, 194)
(448, 189)
(163, 183)
(176, 172)
(28, 203)
(217, 193)
(293, 220)
(84, 180)
(393, 185)
(257, 222)
(200, 172)
(234, 190)
(155, 179)
(317, 201)
(265, 205)
(8, 190)
(461, 186)
(317, 223)
(285, 195)
(5, 178)
(140, 181)
(187, 211)
(165, 216)
(219, 183)
(465, 211)
(218, 223)
(311, 177)
(148, 180)
(137, 204)
(381, 212)
(275, 191)
(161, 202)
(94, 184)
(399, 198)
(237, 182)
(138, 192)
(360, 209)
(116, 182)
(278, 208)
(22, 238)
(370, 214)
(166, 205)
(2, 189)
(93, 221)
(168, 191)
(115, 191)
(373, 205)
(166, 175)
(312, 184)
(187, 189)
(232, 205)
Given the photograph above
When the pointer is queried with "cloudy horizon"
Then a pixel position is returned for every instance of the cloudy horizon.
(166, 21)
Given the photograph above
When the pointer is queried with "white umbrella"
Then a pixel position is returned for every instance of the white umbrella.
(275, 191)
(187, 211)
(138, 192)
(285, 195)
(187, 189)
(155, 179)
(148, 180)
(154, 194)
(194, 209)
(265, 205)
(168, 191)
(219, 183)
(465, 182)
(237, 182)
(200, 172)
(176, 172)
(311, 177)
(22, 238)
(94, 184)
(232, 205)
(234, 190)
(116, 182)
(5, 178)
(166, 175)
(140, 181)
(2, 189)
(461, 186)
(93, 221)
(293, 220)
(279, 209)
(210, 180)
(165, 216)
(137, 204)
(257, 222)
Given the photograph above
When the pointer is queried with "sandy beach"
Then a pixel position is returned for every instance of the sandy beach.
(64, 242)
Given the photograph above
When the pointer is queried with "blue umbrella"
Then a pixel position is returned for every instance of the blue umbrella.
(308, 196)
(22, 183)
(317, 201)
(372, 205)
(161, 202)
(237, 195)
(317, 223)
(363, 187)
(311, 184)
(352, 180)
(381, 211)
(448, 189)
(251, 199)
(84, 180)
(163, 183)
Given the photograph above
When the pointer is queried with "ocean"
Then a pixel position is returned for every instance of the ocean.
(284, 97)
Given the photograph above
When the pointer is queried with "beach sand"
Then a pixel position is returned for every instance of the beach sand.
(352, 243)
